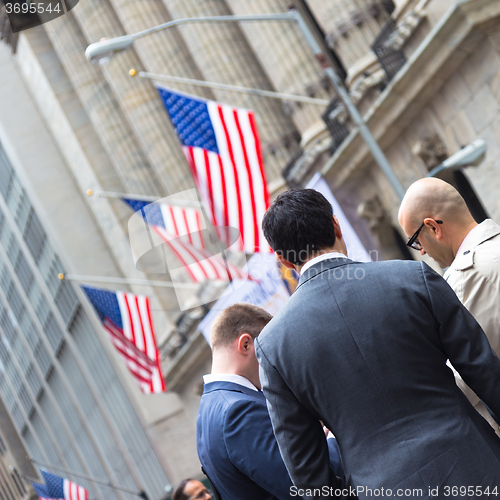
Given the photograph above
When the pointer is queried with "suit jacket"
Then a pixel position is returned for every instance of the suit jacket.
(237, 447)
(474, 275)
(363, 347)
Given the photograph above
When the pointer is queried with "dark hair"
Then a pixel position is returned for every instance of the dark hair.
(298, 224)
(178, 493)
(237, 319)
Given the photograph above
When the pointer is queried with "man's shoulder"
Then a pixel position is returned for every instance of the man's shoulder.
(227, 399)
(391, 274)
(481, 258)
(354, 272)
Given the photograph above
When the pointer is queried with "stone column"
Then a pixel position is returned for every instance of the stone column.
(165, 52)
(137, 97)
(286, 58)
(223, 55)
(107, 118)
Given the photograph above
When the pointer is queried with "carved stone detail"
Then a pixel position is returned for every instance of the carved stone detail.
(379, 221)
(432, 151)
(405, 29)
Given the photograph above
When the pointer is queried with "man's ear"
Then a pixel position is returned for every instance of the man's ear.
(434, 227)
(336, 225)
(245, 343)
(285, 262)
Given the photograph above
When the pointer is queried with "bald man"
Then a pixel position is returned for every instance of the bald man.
(436, 219)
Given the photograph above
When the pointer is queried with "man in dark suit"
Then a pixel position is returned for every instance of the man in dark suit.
(363, 347)
(235, 439)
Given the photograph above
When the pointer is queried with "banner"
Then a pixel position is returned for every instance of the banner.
(267, 291)
(355, 249)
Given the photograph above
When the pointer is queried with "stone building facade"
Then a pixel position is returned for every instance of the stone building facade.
(423, 73)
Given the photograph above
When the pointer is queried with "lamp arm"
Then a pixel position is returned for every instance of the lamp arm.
(285, 16)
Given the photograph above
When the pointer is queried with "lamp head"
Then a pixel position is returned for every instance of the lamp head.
(473, 154)
(101, 52)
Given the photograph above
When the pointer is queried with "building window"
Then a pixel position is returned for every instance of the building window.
(6, 174)
(35, 236)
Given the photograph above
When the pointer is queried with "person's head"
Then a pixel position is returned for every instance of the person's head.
(434, 211)
(232, 340)
(300, 225)
(191, 489)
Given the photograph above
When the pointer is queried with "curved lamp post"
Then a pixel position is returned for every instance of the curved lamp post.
(101, 52)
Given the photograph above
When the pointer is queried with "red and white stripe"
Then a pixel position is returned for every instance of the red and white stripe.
(233, 183)
(73, 491)
(185, 222)
(136, 343)
(200, 264)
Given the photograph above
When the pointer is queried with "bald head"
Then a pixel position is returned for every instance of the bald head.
(434, 198)
(441, 211)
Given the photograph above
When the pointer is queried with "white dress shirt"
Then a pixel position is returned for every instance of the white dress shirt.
(229, 377)
(319, 258)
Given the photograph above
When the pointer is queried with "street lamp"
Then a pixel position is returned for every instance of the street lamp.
(101, 52)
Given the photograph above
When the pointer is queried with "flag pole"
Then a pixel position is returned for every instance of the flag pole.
(232, 88)
(124, 281)
(142, 197)
(88, 478)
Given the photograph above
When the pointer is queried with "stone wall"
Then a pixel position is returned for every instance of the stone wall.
(465, 108)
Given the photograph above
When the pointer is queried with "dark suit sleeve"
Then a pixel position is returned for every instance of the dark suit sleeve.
(299, 433)
(252, 447)
(464, 342)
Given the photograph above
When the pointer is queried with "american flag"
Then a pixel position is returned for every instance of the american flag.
(187, 241)
(222, 146)
(184, 222)
(127, 318)
(56, 487)
(200, 264)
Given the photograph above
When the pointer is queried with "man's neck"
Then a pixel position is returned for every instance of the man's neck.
(222, 365)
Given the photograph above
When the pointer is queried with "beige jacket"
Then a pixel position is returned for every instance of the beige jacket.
(474, 275)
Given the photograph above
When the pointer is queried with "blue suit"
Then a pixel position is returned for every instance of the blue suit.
(237, 447)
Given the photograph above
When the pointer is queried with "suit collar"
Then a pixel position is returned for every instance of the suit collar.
(321, 267)
(231, 386)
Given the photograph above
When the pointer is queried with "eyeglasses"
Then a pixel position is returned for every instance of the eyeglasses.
(413, 241)
(201, 495)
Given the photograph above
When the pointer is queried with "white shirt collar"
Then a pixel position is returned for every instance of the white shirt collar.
(319, 258)
(229, 377)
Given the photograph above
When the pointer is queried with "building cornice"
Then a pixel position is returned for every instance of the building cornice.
(449, 42)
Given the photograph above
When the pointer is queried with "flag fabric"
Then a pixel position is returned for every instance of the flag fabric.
(222, 146)
(199, 263)
(186, 241)
(127, 318)
(56, 487)
(183, 222)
